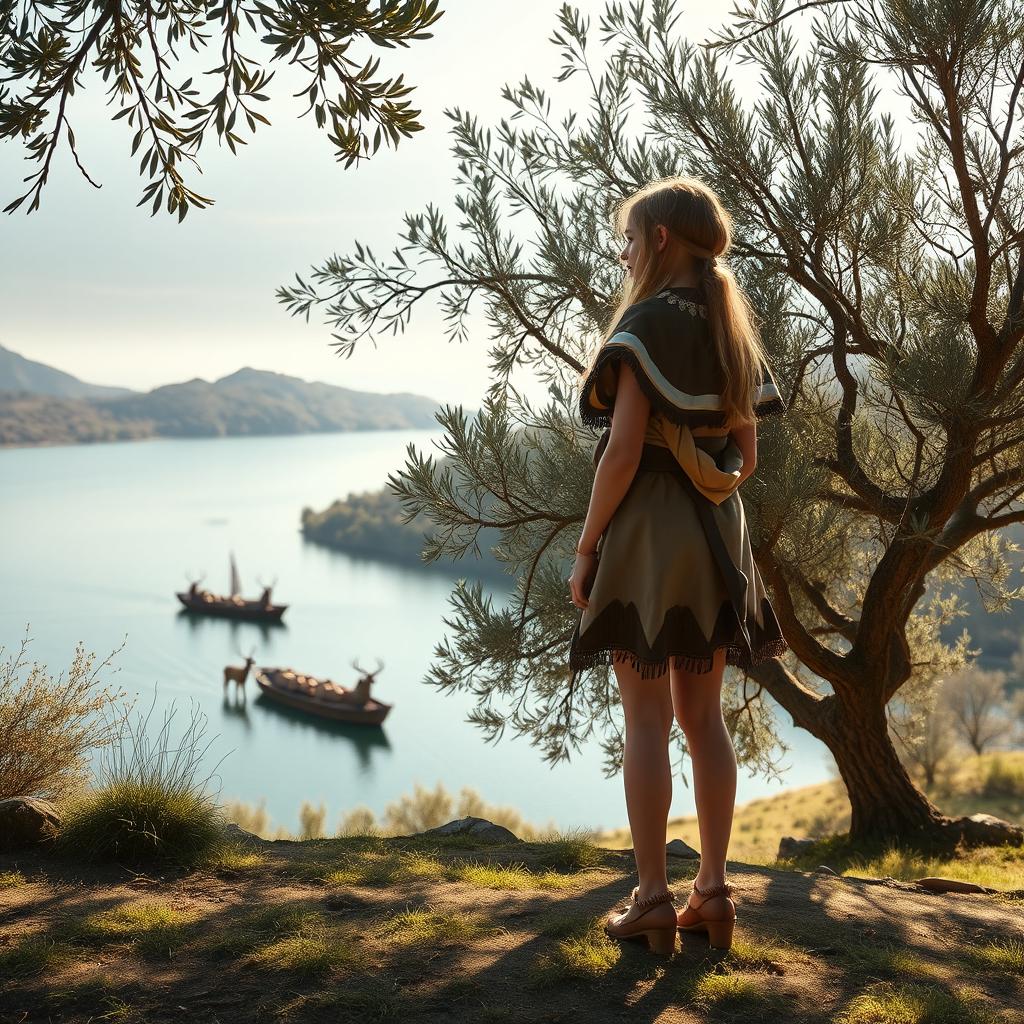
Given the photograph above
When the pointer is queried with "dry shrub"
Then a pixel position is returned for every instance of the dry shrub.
(48, 725)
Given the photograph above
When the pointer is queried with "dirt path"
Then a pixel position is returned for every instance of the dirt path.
(311, 932)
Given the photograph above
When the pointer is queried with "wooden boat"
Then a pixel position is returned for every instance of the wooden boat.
(322, 697)
(205, 603)
(232, 606)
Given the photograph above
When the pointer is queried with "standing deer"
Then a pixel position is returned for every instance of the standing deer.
(239, 675)
(361, 694)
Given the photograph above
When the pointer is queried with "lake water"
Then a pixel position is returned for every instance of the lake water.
(96, 539)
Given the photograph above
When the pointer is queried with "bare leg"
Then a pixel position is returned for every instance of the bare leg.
(697, 699)
(647, 772)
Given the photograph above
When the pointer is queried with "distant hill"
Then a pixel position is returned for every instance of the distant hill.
(247, 402)
(259, 402)
(20, 374)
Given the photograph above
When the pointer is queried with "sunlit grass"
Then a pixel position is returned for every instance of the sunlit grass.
(314, 949)
(237, 858)
(765, 955)
(582, 952)
(874, 958)
(151, 800)
(1001, 867)
(569, 851)
(511, 877)
(712, 991)
(991, 783)
(259, 928)
(1001, 955)
(11, 879)
(435, 926)
(387, 869)
(893, 1003)
(153, 929)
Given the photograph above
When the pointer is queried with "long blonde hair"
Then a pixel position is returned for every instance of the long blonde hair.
(696, 220)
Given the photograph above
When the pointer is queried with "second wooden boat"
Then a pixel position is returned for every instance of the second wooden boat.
(322, 697)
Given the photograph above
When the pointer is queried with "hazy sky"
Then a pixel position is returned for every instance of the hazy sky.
(93, 285)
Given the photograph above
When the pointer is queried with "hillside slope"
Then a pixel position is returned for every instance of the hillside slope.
(20, 374)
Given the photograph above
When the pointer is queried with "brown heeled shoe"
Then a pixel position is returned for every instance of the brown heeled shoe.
(715, 914)
(657, 926)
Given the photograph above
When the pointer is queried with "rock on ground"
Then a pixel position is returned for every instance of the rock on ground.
(790, 846)
(26, 821)
(677, 848)
(478, 828)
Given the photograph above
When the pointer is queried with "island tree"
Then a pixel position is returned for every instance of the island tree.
(884, 256)
(47, 45)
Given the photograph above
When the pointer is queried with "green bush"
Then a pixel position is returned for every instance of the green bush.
(149, 801)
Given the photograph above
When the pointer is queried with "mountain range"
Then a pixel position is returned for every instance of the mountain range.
(43, 405)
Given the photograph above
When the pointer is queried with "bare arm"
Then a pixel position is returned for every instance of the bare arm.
(620, 459)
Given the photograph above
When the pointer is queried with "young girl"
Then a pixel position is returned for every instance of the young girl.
(664, 574)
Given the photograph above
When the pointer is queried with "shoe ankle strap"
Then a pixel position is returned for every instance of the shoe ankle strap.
(652, 901)
(725, 889)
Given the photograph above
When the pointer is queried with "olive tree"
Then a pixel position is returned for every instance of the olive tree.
(47, 45)
(885, 261)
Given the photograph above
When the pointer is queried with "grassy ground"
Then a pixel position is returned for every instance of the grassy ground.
(992, 783)
(371, 929)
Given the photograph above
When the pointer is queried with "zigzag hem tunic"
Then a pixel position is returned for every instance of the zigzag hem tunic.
(675, 578)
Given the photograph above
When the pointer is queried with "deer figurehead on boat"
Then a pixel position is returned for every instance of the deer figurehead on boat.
(361, 693)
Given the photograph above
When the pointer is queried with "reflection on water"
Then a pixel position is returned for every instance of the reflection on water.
(361, 739)
(95, 541)
(235, 628)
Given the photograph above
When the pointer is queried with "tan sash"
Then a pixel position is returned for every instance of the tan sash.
(715, 476)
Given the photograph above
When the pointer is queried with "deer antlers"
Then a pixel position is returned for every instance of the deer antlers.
(369, 675)
(245, 657)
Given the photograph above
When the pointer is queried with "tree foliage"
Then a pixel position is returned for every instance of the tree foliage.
(45, 47)
(886, 266)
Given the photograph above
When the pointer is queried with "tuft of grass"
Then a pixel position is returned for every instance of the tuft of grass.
(11, 879)
(387, 869)
(891, 1003)
(237, 858)
(32, 955)
(1000, 955)
(584, 953)
(150, 803)
(873, 958)
(154, 930)
(511, 877)
(313, 950)
(435, 926)
(713, 990)
(767, 956)
(259, 929)
(569, 852)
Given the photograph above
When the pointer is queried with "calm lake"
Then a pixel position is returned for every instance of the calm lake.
(96, 539)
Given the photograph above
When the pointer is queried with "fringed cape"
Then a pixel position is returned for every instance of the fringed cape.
(667, 342)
